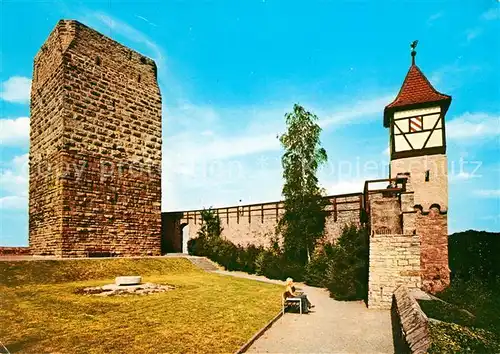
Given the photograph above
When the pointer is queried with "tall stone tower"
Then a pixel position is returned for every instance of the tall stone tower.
(416, 119)
(95, 147)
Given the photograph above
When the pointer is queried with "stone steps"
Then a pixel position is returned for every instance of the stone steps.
(203, 263)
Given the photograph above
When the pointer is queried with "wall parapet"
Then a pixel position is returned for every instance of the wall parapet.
(15, 251)
(254, 223)
(411, 325)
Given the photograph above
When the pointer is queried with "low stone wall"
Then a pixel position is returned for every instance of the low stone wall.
(15, 251)
(394, 261)
(410, 324)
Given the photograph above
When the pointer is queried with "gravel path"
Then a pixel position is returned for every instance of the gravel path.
(333, 327)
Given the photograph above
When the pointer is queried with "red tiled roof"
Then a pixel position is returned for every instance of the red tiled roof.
(416, 89)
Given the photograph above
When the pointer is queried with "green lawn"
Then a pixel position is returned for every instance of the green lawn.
(205, 313)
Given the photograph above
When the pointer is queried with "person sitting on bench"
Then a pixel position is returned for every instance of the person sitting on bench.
(290, 292)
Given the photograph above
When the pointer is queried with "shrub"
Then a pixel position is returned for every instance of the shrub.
(247, 257)
(316, 269)
(474, 255)
(347, 271)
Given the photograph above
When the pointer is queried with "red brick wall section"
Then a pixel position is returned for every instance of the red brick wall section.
(15, 251)
(432, 227)
(96, 132)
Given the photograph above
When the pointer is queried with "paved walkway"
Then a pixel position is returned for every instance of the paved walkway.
(333, 327)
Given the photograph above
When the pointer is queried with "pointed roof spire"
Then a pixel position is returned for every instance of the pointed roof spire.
(413, 45)
(416, 90)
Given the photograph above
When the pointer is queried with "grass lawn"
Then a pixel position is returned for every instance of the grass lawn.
(205, 313)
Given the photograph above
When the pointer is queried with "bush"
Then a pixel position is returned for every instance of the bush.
(347, 271)
(247, 257)
(474, 255)
(316, 269)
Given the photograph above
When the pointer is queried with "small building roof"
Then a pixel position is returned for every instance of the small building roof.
(416, 90)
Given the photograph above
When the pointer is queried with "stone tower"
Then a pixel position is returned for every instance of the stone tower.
(95, 147)
(416, 119)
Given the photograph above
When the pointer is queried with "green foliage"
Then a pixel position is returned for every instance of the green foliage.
(316, 269)
(303, 221)
(447, 312)
(347, 271)
(453, 338)
(211, 227)
(474, 255)
(479, 297)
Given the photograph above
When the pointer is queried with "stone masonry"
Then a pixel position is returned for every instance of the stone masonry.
(432, 227)
(254, 224)
(95, 170)
(394, 255)
(95, 153)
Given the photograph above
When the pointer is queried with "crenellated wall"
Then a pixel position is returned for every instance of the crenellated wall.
(255, 223)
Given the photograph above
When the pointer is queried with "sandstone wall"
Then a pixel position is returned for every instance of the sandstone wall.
(394, 261)
(410, 323)
(95, 157)
(394, 256)
(433, 230)
(254, 224)
(427, 193)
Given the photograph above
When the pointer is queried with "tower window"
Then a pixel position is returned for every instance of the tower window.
(427, 175)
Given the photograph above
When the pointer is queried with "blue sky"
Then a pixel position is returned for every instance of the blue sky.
(229, 70)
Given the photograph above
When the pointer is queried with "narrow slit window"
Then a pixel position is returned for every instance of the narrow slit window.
(427, 175)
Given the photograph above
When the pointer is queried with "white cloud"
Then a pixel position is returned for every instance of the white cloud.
(15, 132)
(452, 76)
(14, 179)
(472, 33)
(356, 112)
(491, 14)
(16, 89)
(462, 176)
(345, 187)
(434, 17)
(146, 20)
(13, 202)
(487, 193)
(473, 125)
(14, 184)
(116, 26)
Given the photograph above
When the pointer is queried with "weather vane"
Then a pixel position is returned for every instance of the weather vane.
(413, 45)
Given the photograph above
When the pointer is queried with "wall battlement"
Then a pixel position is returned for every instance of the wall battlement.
(255, 223)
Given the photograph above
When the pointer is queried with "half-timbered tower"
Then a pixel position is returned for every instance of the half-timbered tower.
(416, 122)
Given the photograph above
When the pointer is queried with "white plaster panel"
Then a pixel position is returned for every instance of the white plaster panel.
(416, 112)
(429, 121)
(436, 139)
(400, 143)
(417, 140)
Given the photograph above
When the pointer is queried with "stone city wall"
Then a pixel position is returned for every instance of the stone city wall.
(254, 224)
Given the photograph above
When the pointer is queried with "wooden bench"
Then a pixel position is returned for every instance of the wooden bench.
(291, 300)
